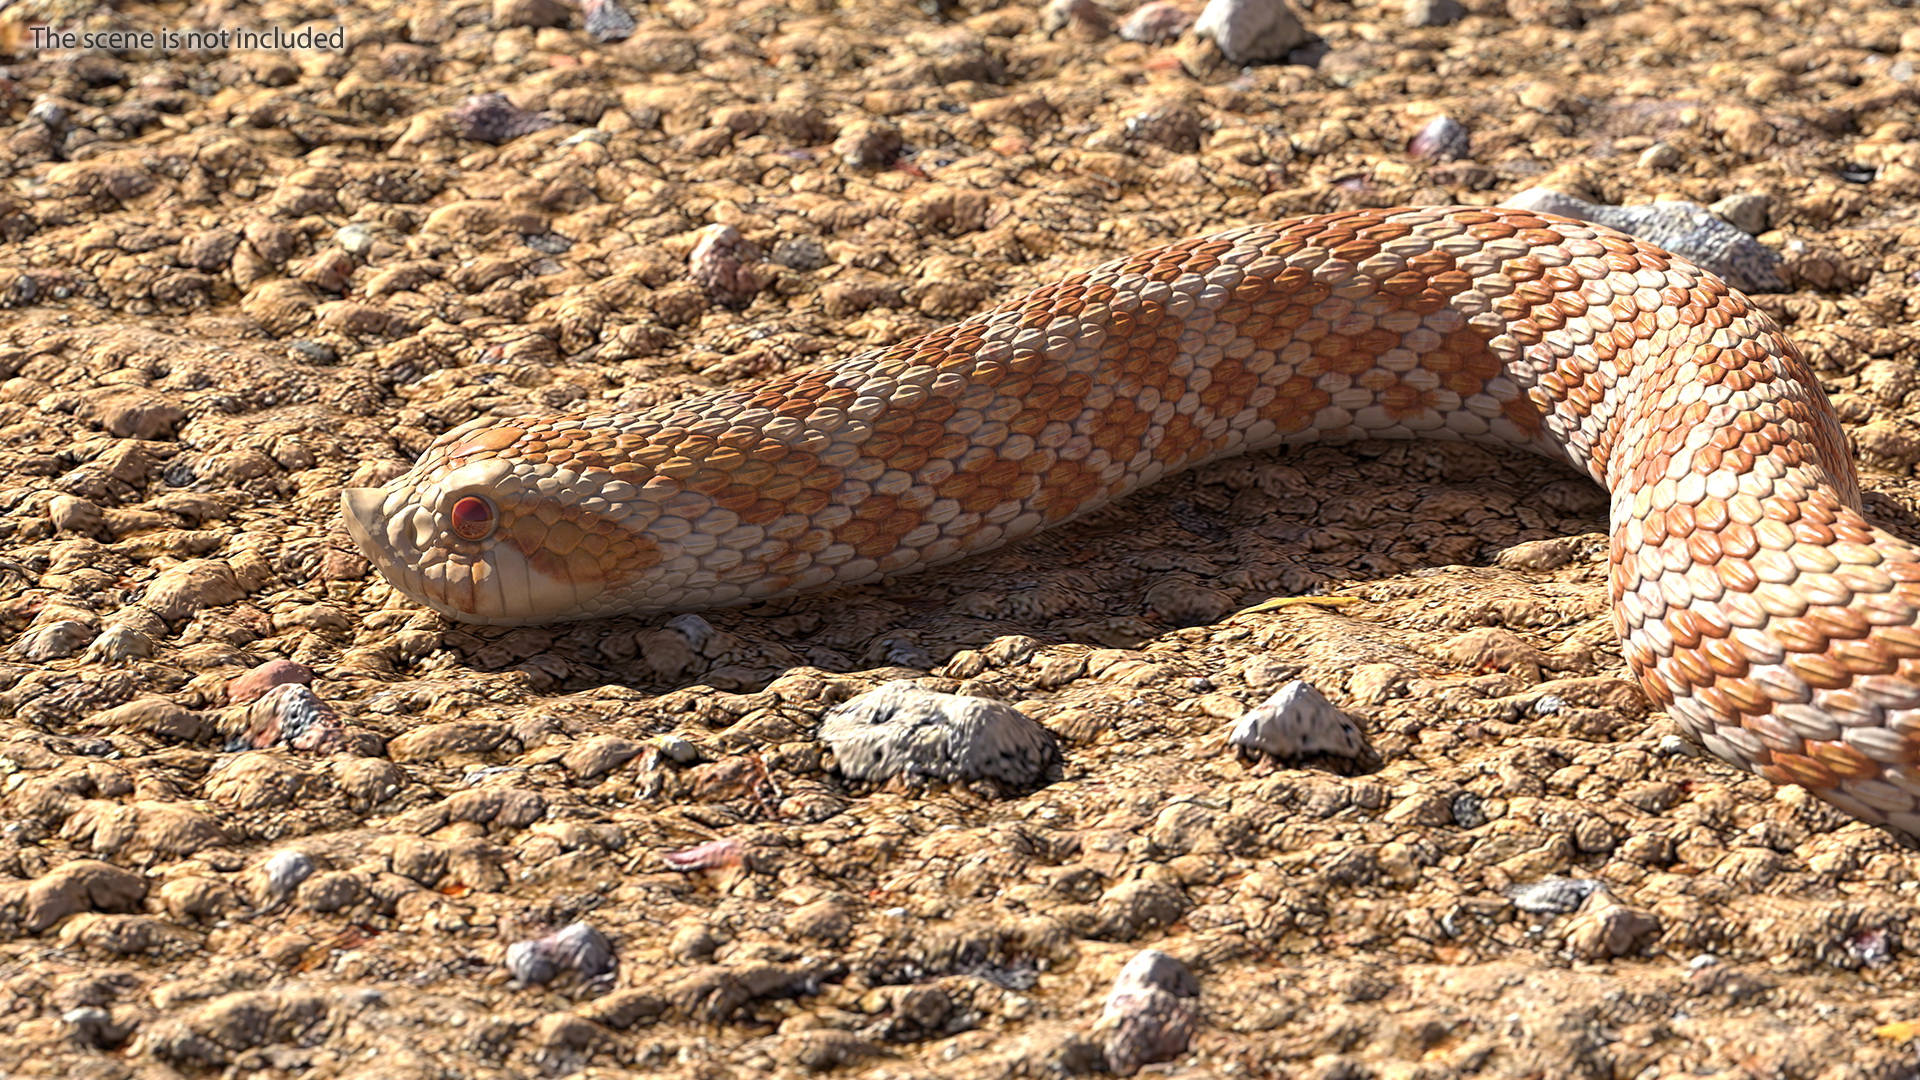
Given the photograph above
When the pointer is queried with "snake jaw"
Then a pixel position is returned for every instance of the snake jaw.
(546, 554)
(407, 531)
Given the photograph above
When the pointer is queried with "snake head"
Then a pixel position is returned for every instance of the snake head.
(487, 540)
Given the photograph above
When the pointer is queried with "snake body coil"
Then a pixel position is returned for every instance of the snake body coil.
(1753, 601)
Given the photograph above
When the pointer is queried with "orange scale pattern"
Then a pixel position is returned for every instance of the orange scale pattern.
(1753, 600)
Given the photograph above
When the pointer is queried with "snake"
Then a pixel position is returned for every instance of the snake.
(1754, 602)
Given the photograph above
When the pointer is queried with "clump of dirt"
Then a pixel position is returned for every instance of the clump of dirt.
(264, 817)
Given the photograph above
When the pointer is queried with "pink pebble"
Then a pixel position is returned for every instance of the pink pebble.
(254, 684)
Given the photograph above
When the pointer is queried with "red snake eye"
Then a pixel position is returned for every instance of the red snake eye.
(473, 518)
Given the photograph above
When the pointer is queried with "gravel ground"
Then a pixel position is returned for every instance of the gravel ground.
(264, 818)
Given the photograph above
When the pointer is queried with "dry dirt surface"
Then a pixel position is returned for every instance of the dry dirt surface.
(264, 817)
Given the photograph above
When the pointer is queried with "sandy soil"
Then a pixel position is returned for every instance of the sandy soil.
(236, 281)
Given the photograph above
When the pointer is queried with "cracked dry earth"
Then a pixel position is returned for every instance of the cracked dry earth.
(236, 282)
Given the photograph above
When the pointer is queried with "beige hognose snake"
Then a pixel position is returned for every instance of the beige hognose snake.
(1753, 601)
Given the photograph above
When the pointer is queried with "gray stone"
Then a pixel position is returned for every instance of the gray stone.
(284, 871)
(1751, 214)
(577, 948)
(1554, 896)
(1151, 968)
(1150, 1014)
(902, 730)
(493, 118)
(1435, 12)
(1660, 156)
(607, 20)
(1443, 139)
(1296, 721)
(54, 641)
(1154, 23)
(1251, 31)
(1686, 229)
(695, 629)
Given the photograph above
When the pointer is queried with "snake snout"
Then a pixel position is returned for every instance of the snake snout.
(472, 545)
(360, 510)
(380, 526)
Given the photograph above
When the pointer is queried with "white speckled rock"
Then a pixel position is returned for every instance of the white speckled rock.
(1296, 721)
(1251, 31)
(900, 729)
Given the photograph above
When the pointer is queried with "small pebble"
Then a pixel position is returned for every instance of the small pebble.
(354, 239)
(1083, 19)
(49, 113)
(1296, 721)
(1604, 927)
(1157, 22)
(119, 644)
(1871, 947)
(869, 144)
(284, 871)
(1443, 139)
(1751, 214)
(1251, 31)
(1554, 896)
(1435, 12)
(548, 243)
(1469, 810)
(801, 253)
(695, 629)
(1686, 229)
(902, 730)
(607, 20)
(1675, 746)
(708, 856)
(676, 749)
(1150, 1014)
(313, 352)
(492, 118)
(93, 1026)
(288, 714)
(254, 685)
(576, 948)
(1659, 156)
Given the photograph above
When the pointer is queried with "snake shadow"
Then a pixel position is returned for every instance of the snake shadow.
(1188, 551)
(1191, 550)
